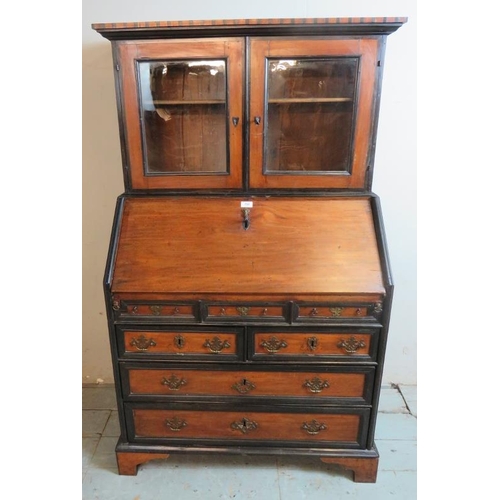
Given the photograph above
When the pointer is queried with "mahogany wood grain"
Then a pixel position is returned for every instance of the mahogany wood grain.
(196, 382)
(128, 462)
(293, 246)
(343, 428)
(165, 342)
(220, 48)
(367, 50)
(326, 343)
(365, 469)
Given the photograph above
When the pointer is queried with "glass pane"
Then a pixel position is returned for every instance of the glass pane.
(310, 114)
(183, 110)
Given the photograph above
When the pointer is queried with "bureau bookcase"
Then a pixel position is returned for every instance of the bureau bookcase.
(247, 286)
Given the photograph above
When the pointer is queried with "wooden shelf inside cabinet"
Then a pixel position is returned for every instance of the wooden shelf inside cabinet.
(186, 103)
(308, 100)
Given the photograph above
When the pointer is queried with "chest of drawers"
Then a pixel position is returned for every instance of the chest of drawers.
(246, 318)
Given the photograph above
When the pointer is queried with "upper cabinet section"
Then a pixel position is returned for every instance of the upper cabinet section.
(249, 105)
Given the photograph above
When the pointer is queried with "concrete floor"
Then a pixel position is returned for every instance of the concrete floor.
(204, 477)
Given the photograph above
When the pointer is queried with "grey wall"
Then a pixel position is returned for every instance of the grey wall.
(395, 162)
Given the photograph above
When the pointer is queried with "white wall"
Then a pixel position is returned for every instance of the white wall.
(395, 162)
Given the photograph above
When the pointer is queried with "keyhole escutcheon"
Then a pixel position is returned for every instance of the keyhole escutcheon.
(312, 343)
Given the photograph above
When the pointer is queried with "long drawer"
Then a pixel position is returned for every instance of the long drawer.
(343, 385)
(340, 427)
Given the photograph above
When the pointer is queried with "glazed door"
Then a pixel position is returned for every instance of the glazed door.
(311, 112)
(183, 108)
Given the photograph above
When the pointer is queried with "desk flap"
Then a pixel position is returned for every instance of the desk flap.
(292, 246)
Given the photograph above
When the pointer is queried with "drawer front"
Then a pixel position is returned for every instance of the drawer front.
(348, 387)
(244, 312)
(141, 342)
(310, 313)
(164, 311)
(340, 428)
(348, 345)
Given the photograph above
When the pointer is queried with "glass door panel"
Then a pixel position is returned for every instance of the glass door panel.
(183, 103)
(310, 115)
(184, 116)
(311, 108)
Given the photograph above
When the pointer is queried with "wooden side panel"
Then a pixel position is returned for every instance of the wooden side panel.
(293, 247)
(343, 428)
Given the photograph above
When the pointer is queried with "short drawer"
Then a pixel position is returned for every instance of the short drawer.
(223, 312)
(352, 385)
(155, 310)
(335, 428)
(312, 313)
(145, 341)
(354, 344)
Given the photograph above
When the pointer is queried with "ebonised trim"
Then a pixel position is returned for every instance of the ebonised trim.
(270, 30)
(386, 314)
(124, 447)
(108, 299)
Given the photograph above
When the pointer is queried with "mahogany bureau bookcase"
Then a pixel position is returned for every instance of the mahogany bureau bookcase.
(247, 286)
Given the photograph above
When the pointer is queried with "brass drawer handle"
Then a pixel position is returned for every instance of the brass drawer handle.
(176, 424)
(316, 385)
(156, 310)
(216, 345)
(174, 383)
(273, 344)
(246, 425)
(351, 345)
(243, 311)
(313, 427)
(142, 343)
(312, 343)
(244, 386)
(336, 311)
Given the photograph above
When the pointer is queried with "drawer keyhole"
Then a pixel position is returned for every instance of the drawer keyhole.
(245, 425)
(179, 341)
(312, 343)
(244, 386)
